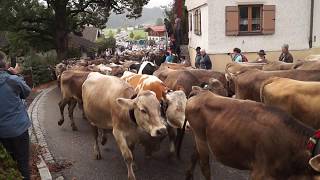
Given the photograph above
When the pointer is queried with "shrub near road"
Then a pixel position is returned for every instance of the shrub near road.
(8, 167)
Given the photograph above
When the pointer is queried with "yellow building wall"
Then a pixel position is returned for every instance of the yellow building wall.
(219, 61)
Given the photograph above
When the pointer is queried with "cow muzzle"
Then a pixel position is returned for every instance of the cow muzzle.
(159, 132)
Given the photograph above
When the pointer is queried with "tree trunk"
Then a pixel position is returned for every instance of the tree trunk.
(61, 32)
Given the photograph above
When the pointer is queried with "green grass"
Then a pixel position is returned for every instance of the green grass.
(136, 32)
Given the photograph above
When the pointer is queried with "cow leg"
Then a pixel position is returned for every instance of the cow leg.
(96, 147)
(194, 160)
(62, 105)
(172, 136)
(104, 137)
(203, 152)
(126, 152)
(80, 105)
(71, 107)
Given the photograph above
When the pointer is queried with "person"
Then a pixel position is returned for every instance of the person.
(169, 57)
(286, 55)
(262, 57)
(205, 62)
(168, 26)
(198, 57)
(237, 56)
(14, 120)
(177, 37)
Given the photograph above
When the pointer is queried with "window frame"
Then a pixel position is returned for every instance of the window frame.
(190, 21)
(197, 21)
(250, 32)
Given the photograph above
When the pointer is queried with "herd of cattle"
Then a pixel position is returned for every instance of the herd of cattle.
(258, 117)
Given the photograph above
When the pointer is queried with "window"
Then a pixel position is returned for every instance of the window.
(190, 21)
(250, 18)
(197, 22)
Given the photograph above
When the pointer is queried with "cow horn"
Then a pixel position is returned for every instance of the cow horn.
(315, 163)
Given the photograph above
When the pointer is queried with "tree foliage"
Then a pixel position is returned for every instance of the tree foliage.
(131, 35)
(50, 21)
(159, 22)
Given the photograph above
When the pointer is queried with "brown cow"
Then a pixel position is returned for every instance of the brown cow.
(277, 65)
(248, 83)
(300, 99)
(307, 65)
(248, 135)
(71, 90)
(112, 104)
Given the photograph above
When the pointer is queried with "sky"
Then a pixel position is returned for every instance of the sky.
(157, 3)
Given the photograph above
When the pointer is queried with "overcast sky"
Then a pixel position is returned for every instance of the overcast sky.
(156, 3)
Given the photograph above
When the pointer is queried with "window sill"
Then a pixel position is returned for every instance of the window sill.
(250, 34)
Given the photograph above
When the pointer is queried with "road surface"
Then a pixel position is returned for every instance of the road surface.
(77, 147)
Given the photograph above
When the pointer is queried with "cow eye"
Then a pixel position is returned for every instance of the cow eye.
(143, 111)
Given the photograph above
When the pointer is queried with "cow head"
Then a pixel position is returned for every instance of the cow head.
(146, 108)
(175, 108)
(216, 87)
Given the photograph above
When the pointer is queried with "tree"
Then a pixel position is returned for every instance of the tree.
(52, 20)
(159, 22)
(110, 34)
(137, 37)
(118, 31)
(131, 35)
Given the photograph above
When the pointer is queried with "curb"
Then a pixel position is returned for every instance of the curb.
(37, 137)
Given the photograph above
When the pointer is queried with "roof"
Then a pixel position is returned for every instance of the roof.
(77, 42)
(90, 33)
(156, 28)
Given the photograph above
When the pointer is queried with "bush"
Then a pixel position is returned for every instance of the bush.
(74, 53)
(40, 66)
(8, 167)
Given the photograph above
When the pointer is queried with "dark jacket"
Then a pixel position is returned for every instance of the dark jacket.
(197, 60)
(14, 119)
(286, 57)
(205, 62)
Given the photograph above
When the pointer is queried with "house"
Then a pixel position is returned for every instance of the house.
(219, 26)
(85, 43)
(156, 33)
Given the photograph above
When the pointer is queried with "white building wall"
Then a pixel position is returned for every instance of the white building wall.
(203, 39)
(292, 27)
(316, 24)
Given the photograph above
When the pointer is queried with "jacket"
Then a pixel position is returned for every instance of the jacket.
(197, 60)
(14, 119)
(205, 62)
(286, 57)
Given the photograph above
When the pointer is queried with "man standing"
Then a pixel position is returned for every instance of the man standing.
(286, 55)
(177, 37)
(14, 120)
(205, 62)
(198, 57)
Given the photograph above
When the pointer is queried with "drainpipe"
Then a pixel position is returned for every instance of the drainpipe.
(311, 24)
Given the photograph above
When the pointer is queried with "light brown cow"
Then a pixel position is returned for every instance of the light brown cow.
(248, 135)
(173, 103)
(277, 65)
(112, 104)
(248, 83)
(71, 90)
(300, 99)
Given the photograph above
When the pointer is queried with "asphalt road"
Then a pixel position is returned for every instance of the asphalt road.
(77, 147)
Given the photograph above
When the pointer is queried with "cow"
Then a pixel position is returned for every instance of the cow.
(113, 105)
(248, 135)
(307, 65)
(248, 83)
(71, 90)
(59, 70)
(300, 99)
(234, 69)
(277, 65)
(143, 68)
(172, 102)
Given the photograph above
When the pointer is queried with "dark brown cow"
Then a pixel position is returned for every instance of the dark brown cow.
(248, 83)
(71, 90)
(248, 135)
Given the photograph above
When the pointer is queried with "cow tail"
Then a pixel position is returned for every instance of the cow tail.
(179, 139)
(264, 83)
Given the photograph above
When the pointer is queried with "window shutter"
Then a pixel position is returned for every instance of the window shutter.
(232, 20)
(269, 19)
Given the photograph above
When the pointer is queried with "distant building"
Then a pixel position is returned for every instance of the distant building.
(86, 42)
(156, 33)
(219, 26)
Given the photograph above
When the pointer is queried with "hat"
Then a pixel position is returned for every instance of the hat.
(198, 48)
(261, 52)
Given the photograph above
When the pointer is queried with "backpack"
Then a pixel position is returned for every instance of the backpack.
(244, 58)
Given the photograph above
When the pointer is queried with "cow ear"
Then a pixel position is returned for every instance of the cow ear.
(128, 103)
(196, 88)
(315, 163)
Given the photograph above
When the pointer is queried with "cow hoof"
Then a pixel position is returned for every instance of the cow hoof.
(98, 156)
(103, 141)
(60, 122)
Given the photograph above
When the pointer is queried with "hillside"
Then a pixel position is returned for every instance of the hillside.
(149, 16)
